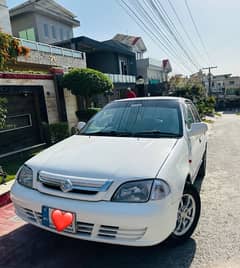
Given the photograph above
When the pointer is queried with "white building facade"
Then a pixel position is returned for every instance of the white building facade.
(5, 24)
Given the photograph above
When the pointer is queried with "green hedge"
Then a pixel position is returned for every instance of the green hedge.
(85, 115)
(58, 131)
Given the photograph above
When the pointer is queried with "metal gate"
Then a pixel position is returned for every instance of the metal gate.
(26, 112)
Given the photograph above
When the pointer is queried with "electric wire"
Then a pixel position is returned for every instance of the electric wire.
(184, 28)
(157, 9)
(149, 18)
(150, 33)
(197, 31)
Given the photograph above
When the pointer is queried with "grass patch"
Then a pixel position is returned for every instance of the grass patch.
(11, 164)
(238, 113)
(208, 121)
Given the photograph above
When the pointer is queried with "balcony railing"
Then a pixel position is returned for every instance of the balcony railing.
(53, 50)
(119, 78)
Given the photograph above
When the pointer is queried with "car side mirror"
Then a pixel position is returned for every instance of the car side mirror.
(198, 129)
(80, 125)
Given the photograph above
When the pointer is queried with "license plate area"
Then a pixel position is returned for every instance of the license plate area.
(47, 219)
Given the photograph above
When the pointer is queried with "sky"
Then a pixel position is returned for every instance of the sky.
(218, 22)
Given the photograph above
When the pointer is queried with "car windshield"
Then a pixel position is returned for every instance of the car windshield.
(140, 118)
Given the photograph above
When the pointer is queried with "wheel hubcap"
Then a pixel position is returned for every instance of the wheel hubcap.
(186, 214)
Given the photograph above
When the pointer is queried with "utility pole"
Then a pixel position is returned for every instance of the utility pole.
(209, 78)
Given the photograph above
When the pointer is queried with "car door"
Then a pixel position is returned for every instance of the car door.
(203, 137)
(194, 142)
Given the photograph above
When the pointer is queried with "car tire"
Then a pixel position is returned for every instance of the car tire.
(188, 215)
(203, 167)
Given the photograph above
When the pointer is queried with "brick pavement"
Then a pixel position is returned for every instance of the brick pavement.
(8, 220)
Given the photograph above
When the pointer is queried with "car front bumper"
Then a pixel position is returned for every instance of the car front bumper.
(142, 224)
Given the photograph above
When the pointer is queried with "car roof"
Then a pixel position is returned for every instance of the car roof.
(178, 99)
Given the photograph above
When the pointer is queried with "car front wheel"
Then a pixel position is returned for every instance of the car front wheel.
(188, 214)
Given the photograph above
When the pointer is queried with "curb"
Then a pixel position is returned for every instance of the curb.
(5, 193)
(5, 199)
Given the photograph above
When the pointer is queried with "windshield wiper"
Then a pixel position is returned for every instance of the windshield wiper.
(156, 133)
(109, 133)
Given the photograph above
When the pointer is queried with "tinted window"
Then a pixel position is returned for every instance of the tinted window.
(28, 34)
(195, 113)
(190, 119)
(53, 32)
(61, 34)
(46, 33)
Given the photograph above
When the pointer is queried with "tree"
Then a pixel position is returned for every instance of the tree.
(86, 83)
(10, 49)
(194, 90)
(3, 112)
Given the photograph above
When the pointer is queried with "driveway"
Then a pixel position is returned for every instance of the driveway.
(216, 242)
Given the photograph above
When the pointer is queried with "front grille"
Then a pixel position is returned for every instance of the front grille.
(82, 228)
(86, 229)
(76, 191)
(71, 186)
(114, 232)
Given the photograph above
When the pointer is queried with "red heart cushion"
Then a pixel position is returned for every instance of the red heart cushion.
(61, 219)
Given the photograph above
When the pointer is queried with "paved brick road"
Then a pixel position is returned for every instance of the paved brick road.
(215, 244)
(8, 220)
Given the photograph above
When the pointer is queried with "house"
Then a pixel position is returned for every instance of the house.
(32, 88)
(43, 21)
(226, 90)
(229, 87)
(5, 24)
(36, 97)
(110, 57)
(224, 87)
(135, 43)
(152, 74)
(155, 75)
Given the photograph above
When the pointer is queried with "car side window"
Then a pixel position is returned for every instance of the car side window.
(195, 114)
(190, 118)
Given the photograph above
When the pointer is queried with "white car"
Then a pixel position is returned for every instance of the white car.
(127, 178)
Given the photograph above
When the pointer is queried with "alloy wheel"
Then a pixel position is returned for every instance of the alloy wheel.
(186, 214)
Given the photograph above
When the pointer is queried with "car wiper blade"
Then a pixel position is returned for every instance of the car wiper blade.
(156, 133)
(109, 133)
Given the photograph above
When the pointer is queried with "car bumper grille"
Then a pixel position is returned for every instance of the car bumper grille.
(114, 232)
(86, 229)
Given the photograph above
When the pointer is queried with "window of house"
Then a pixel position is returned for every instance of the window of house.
(231, 82)
(123, 66)
(28, 34)
(54, 32)
(230, 92)
(45, 28)
(68, 34)
(61, 34)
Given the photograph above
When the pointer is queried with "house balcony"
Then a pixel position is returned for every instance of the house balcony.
(119, 78)
(51, 56)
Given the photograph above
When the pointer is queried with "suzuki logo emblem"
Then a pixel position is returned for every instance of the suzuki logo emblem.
(66, 186)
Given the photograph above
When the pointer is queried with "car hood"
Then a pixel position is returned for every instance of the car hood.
(105, 157)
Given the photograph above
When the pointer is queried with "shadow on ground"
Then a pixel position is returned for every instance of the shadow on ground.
(29, 246)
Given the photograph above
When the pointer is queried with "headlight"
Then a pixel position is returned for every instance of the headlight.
(25, 177)
(141, 191)
(160, 190)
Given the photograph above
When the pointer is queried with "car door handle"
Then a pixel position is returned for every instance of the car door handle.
(200, 140)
